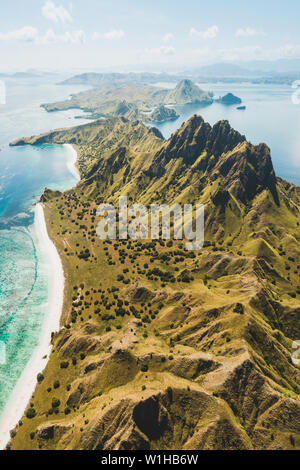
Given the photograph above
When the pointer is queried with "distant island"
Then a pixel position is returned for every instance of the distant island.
(161, 114)
(261, 72)
(187, 92)
(229, 99)
(133, 101)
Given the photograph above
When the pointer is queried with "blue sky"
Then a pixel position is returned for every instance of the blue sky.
(96, 34)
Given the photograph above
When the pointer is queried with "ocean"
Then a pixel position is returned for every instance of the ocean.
(25, 172)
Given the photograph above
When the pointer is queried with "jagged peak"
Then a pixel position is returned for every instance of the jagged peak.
(247, 170)
(219, 151)
(196, 136)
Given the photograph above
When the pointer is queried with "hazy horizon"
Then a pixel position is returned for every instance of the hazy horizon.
(168, 35)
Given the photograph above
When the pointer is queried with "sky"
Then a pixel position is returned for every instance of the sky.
(136, 34)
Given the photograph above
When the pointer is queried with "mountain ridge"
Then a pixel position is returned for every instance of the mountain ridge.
(170, 349)
(130, 101)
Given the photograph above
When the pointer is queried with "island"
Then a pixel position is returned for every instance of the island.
(133, 101)
(187, 92)
(229, 99)
(161, 114)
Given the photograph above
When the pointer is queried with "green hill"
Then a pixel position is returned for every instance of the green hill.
(162, 114)
(187, 92)
(229, 99)
(132, 101)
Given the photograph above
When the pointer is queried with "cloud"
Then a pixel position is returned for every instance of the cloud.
(56, 13)
(289, 51)
(115, 34)
(210, 33)
(167, 50)
(209, 55)
(160, 51)
(168, 37)
(32, 35)
(69, 37)
(248, 32)
(25, 34)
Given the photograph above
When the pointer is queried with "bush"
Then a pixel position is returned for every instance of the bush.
(30, 413)
(40, 378)
(56, 384)
(64, 365)
(144, 368)
(67, 410)
(239, 309)
(55, 403)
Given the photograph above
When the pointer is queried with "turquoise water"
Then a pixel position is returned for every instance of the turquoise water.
(24, 173)
(270, 117)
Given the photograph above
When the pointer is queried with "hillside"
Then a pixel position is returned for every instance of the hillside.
(106, 100)
(131, 101)
(187, 92)
(162, 348)
(161, 114)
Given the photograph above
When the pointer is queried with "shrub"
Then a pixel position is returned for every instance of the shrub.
(239, 309)
(64, 365)
(30, 413)
(55, 403)
(144, 368)
(40, 378)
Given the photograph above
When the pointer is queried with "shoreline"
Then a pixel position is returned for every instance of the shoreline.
(26, 384)
(72, 165)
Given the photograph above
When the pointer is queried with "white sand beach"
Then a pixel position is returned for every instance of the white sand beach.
(72, 163)
(26, 385)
